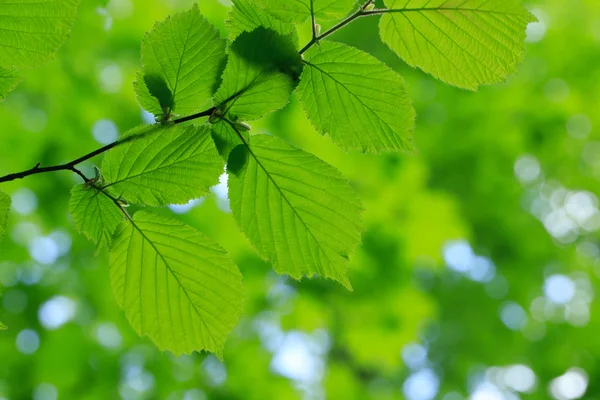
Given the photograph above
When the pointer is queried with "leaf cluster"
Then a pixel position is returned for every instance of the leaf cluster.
(175, 284)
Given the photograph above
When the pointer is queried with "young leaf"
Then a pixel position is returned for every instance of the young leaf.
(182, 60)
(31, 31)
(247, 15)
(9, 79)
(175, 285)
(261, 73)
(4, 209)
(356, 99)
(298, 11)
(172, 164)
(95, 215)
(297, 211)
(464, 43)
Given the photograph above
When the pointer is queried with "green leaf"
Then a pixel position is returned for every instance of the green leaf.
(95, 215)
(4, 209)
(226, 138)
(170, 164)
(182, 61)
(9, 79)
(261, 73)
(298, 11)
(175, 285)
(464, 43)
(297, 211)
(247, 15)
(356, 99)
(31, 31)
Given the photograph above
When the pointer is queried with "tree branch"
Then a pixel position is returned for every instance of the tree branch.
(360, 13)
(70, 166)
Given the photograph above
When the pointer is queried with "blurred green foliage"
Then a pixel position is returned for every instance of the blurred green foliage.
(479, 265)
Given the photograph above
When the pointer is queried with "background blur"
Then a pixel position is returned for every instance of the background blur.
(479, 270)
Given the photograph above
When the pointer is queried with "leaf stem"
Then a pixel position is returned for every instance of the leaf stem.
(360, 13)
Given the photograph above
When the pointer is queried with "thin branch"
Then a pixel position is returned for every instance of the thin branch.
(360, 13)
(70, 166)
(206, 113)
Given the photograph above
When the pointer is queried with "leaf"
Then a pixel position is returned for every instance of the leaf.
(185, 55)
(5, 202)
(95, 215)
(465, 43)
(9, 79)
(298, 11)
(31, 31)
(356, 99)
(261, 73)
(247, 15)
(175, 285)
(226, 138)
(297, 211)
(171, 164)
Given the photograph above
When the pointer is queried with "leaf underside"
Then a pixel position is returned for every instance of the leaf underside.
(31, 31)
(172, 164)
(297, 211)
(246, 15)
(298, 11)
(184, 56)
(465, 43)
(95, 215)
(360, 102)
(261, 73)
(9, 79)
(175, 285)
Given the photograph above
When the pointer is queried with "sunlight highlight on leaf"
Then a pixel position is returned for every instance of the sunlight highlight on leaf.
(465, 43)
(175, 285)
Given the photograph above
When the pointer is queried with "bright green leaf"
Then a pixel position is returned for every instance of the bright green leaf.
(9, 79)
(299, 11)
(261, 73)
(95, 215)
(170, 165)
(175, 285)
(356, 99)
(297, 211)
(182, 59)
(247, 15)
(31, 31)
(464, 43)
(4, 209)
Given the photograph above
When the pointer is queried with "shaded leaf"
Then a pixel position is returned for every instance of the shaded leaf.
(226, 138)
(31, 31)
(95, 215)
(247, 15)
(464, 43)
(261, 73)
(175, 285)
(172, 164)
(356, 99)
(297, 211)
(186, 54)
